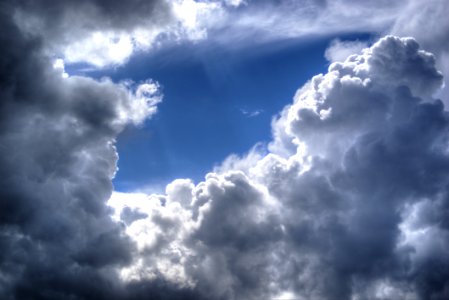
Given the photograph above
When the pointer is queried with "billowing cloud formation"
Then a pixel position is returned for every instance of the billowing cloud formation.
(357, 211)
(427, 22)
(57, 158)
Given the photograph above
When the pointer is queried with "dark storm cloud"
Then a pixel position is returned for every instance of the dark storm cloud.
(57, 158)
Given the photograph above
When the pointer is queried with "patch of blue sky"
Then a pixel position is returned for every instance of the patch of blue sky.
(218, 100)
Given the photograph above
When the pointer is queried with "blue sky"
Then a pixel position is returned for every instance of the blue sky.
(217, 101)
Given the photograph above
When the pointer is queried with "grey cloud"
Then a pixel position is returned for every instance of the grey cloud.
(129, 215)
(390, 153)
(100, 33)
(427, 22)
(61, 20)
(57, 158)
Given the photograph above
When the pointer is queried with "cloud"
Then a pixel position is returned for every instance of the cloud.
(100, 49)
(57, 135)
(251, 113)
(97, 32)
(349, 203)
(340, 50)
(106, 33)
(427, 22)
(356, 212)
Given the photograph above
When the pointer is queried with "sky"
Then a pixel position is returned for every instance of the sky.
(224, 149)
(229, 96)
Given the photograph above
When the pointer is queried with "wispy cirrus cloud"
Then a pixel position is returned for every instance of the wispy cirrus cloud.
(251, 113)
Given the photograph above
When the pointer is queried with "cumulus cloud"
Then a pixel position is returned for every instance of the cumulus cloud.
(356, 212)
(57, 135)
(427, 22)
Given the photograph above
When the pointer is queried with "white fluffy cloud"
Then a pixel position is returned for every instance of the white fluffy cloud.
(360, 204)
(100, 49)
